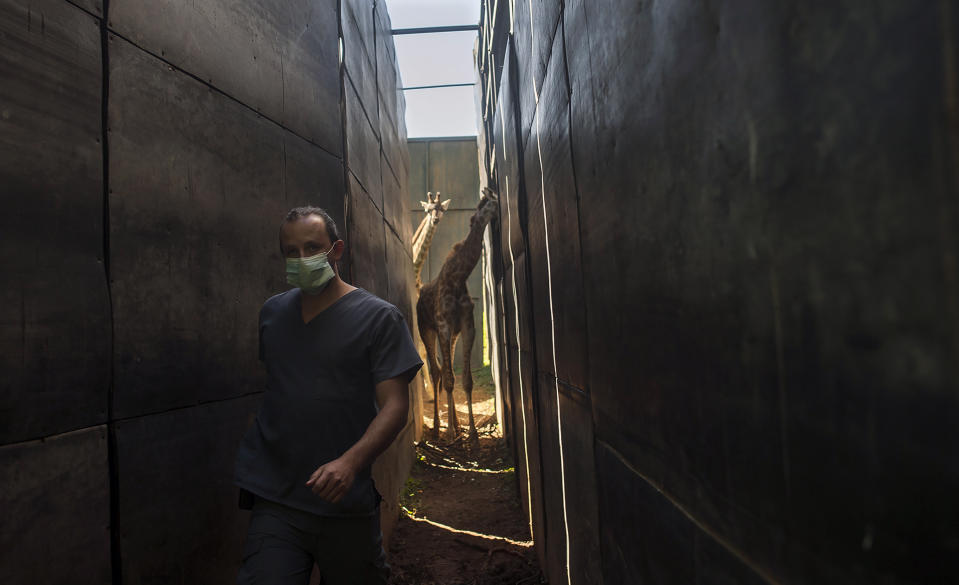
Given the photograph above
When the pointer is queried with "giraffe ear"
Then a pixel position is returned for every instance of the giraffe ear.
(426, 206)
(445, 205)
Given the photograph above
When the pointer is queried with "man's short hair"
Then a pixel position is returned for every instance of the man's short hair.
(300, 212)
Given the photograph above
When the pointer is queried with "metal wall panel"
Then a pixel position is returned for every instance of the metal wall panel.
(95, 7)
(398, 268)
(177, 513)
(453, 171)
(765, 264)
(509, 310)
(400, 118)
(220, 118)
(691, 319)
(750, 231)
(363, 147)
(550, 139)
(529, 472)
(650, 540)
(366, 240)
(359, 55)
(581, 491)
(54, 306)
(395, 202)
(418, 187)
(511, 226)
(193, 176)
(419, 180)
(539, 270)
(522, 55)
(390, 472)
(359, 28)
(534, 27)
(392, 468)
(387, 80)
(362, 75)
(391, 145)
(280, 59)
(402, 293)
(553, 538)
(508, 161)
(56, 509)
(523, 301)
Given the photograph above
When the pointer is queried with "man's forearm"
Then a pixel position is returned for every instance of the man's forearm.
(382, 431)
(332, 480)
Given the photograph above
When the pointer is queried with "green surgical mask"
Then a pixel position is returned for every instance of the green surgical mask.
(311, 274)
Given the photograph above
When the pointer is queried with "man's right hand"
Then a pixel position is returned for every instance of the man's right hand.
(331, 481)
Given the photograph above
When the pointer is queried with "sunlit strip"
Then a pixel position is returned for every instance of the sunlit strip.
(549, 284)
(519, 351)
(468, 469)
(520, 543)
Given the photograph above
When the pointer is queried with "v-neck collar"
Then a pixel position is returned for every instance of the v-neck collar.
(299, 307)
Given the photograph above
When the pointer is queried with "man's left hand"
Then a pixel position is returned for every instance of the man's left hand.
(331, 481)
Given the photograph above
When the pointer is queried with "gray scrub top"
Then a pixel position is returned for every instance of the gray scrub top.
(320, 395)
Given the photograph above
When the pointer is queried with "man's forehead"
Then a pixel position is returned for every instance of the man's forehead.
(311, 226)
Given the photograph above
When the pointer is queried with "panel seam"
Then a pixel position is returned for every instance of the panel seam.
(706, 529)
(116, 557)
(223, 93)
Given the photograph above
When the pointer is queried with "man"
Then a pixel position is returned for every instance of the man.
(332, 352)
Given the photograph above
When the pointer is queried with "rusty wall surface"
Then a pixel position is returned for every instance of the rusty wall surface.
(148, 152)
(726, 269)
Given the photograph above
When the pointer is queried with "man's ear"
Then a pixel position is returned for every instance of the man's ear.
(339, 247)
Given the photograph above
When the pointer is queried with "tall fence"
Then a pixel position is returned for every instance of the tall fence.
(148, 151)
(725, 269)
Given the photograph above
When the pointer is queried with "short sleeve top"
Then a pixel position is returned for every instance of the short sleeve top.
(320, 396)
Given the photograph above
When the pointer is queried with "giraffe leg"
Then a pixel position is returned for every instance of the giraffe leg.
(429, 340)
(469, 335)
(446, 354)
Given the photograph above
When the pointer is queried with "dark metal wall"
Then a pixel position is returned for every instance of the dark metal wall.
(726, 273)
(147, 154)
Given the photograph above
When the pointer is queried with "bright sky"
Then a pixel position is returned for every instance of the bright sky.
(436, 59)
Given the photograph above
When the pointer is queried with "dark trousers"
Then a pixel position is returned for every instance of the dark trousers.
(282, 544)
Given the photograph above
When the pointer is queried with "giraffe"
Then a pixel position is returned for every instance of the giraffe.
(444, 312)
(424, 233)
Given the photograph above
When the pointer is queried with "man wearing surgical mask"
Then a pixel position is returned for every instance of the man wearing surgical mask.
(338, 362)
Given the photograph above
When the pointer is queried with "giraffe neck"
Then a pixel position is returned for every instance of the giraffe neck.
(467, 253)
(418, 234)
(424, 248)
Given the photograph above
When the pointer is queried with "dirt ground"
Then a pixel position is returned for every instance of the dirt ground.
(462, 521)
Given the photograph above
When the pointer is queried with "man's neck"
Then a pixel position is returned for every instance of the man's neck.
(313, 305)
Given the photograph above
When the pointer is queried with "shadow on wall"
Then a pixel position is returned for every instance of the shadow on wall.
(726, 301)
(148, 156)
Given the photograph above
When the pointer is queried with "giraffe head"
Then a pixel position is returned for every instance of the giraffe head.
(486, 209)
(434, 208)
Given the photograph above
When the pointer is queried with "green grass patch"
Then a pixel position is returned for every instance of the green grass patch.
(412, 494)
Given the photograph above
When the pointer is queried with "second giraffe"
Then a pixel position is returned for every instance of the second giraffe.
(444, 312)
